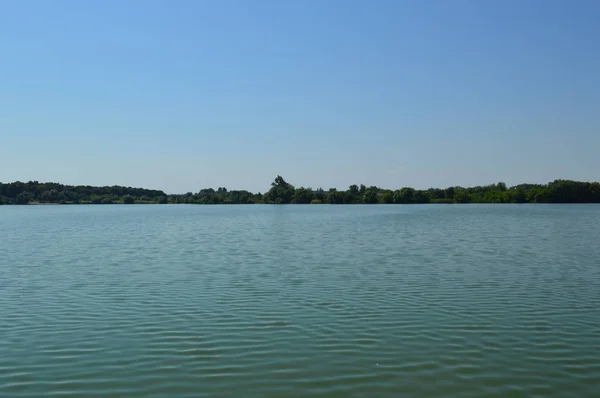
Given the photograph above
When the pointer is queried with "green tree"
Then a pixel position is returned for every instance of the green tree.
(335, 197)
(449, 193)
(519, 196)
(558, 191)
(320, 194)
(370, 196)
(23, 198)
(461, 196)
(281, 192)
(302, 196)
(388, 197)
(405, 195)
(421, 197)
(352, 195)
(61, 198)
(128, 200)
(348, 198)
(49, 196)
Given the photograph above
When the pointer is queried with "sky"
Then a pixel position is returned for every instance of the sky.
(189, 94)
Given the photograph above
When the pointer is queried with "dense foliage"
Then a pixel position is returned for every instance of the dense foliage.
(559, 191)
(50, 192)
(220, 196)
(282, 192)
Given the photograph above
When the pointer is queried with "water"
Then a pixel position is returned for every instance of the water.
(272, 301)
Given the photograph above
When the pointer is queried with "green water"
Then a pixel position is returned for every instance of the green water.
(278, 301)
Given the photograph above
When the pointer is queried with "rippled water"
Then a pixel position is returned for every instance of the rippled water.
(270, 301)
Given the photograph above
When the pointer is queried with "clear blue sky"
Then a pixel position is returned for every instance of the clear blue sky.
(182, 95)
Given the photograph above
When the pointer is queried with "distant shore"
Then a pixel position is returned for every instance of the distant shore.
(282, 192)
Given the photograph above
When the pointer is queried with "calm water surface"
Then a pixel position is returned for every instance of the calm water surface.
(274, 301)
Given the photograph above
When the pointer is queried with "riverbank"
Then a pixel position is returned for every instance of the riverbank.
(282, 192)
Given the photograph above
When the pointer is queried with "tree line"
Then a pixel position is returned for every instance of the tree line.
(558, 191)
(21, 193)
(282, 192)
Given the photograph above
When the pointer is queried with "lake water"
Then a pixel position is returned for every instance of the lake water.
(273, 301)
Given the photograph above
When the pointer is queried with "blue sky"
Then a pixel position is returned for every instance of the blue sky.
(182, 95)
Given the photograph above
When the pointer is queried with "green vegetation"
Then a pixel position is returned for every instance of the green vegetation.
(220, 196)
(559, 191)
(282, 192)
(49, 192)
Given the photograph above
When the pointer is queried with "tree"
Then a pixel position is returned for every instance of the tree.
(558, 191)
(518, 196)
(461, 196)
(279, 182)
(348, 198)
(23, 198)
(421, 197)
(49, 196)
(61, 198)
(388, 197)
(370, 196)
(404, 195)
(335, 197)
(302, 196)
(280, 193)
(320, 194)
(128, 200)
(352, 194)
(71, 195)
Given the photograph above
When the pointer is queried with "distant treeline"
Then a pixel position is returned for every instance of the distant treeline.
(22, 193)
(282, 192)
(559, 191)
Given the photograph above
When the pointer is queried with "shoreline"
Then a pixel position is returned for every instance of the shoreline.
(297, 204)
(282, 192)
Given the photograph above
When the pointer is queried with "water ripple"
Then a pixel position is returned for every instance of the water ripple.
(154, 301)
